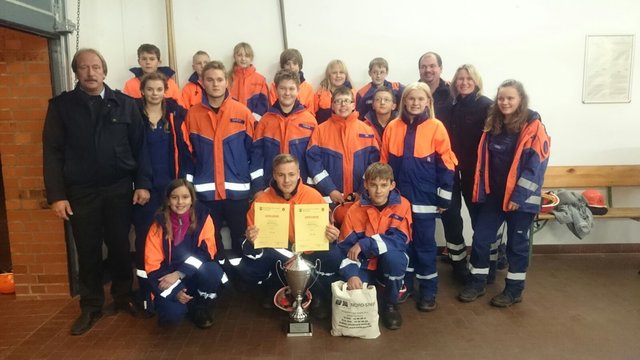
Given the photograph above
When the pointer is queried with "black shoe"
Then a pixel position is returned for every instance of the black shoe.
(85, 322)
(505, 299)
(202, 318)
(427, 304)
(391, 318)
(470, 293)
(320, 308)
(131, 307)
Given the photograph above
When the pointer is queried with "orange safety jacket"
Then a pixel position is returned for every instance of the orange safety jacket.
(422, 161)
(132, 86)
(276, 134)
(220, 145)
(526, 174)
(303, 195)
(305, 95)
(376, 231)
(250, 88)
(192, 92)
(339, 152)
(197, 247)
(364, 98)
(322, 103)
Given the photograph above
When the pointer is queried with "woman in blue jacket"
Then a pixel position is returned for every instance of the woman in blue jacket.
(165, 152)
(512, 159)
(465, 124)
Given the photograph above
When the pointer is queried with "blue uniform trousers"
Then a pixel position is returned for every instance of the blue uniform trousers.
(490, 218)
(203, 286)
(422, 253)
(390, 273)
(258, 266)
(142, 219)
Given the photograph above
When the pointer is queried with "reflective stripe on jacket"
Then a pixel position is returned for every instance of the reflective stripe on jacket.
(339, 152)
(526, 174)
(422, 161)
(220, 145)
(377, 231)
(276, 134)
(200, 247)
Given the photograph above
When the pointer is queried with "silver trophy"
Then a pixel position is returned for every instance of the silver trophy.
(295, 297)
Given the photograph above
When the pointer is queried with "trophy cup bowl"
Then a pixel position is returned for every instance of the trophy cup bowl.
(295, 297)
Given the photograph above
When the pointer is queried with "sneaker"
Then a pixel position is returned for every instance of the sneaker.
(391, 318)
(470, 293)
(404, 294)
(505, 299)
(427, 304)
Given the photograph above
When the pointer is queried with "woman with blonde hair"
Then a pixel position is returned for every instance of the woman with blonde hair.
(464, 122)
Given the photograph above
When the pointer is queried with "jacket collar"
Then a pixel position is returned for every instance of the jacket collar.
(167, 71)
(279, 192)
(394, 198)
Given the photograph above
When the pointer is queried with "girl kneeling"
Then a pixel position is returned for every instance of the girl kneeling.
(179, 255)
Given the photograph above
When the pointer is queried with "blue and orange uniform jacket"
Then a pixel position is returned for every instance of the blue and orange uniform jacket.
(192, 91)
(132, 86)
(162, 257)
(279, 134)
(364, 98)
(322, 103)
(339, 152)
(305, 94)
(169, 142)
(372, 120)
(422, 161)
(526, 174)
(303, 194)
(377, 231)
(220, 145)
(250, 88)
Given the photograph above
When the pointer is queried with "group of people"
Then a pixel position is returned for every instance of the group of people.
(180, 165)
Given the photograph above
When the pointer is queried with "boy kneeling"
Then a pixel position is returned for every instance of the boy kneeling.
(374, 237)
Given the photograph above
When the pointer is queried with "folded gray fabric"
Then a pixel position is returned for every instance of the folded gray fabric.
(574, 212)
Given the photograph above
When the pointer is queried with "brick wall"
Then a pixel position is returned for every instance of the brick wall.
(36, 236)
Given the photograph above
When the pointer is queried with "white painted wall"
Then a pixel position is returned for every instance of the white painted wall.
(540, 43)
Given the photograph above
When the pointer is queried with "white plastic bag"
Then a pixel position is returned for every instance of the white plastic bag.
(355, 312)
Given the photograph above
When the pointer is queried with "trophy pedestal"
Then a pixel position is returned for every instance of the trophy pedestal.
(299, 329)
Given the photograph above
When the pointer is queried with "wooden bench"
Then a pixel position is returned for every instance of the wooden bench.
(606, 176)
(592, 176)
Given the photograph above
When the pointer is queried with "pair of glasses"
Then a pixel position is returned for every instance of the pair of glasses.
(342, 101)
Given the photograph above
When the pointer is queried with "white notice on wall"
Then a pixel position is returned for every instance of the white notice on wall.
(607, 69)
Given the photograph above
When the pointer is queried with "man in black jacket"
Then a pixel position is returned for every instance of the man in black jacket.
(93, 142)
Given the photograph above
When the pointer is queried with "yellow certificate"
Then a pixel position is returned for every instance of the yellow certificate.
(272, 221)
(311, 222)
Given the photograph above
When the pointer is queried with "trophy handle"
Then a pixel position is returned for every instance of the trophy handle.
(279, 266)
(316, 267)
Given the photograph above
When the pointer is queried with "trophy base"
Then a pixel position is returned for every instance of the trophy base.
(295, 329)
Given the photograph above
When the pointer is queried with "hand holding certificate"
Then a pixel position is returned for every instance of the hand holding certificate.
(311, 222)
(273, 222)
